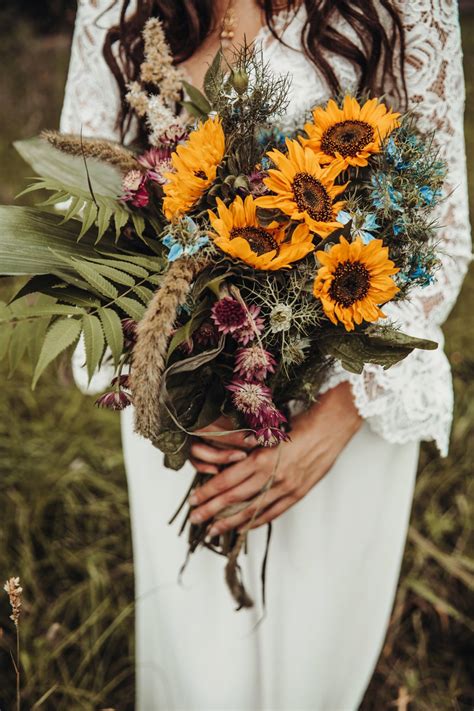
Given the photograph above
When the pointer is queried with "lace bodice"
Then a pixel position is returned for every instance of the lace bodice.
(412, 400)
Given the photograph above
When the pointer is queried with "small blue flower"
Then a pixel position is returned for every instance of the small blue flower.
(362, 225)
(397, 229)
(265, 163)
(384, 194)
(177, 248)
(395, 156)
(417, 273)
(428, 195)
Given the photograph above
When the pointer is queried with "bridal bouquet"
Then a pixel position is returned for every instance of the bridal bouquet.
(225, 269)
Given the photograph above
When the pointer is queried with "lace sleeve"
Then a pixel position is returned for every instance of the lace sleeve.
(91, 100)
(414, 399)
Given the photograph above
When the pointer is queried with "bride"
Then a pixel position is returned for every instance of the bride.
(342, 495)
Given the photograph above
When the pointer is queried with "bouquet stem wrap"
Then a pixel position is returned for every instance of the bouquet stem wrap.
(153, 334)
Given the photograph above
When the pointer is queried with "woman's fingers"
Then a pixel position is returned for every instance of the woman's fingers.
(215, 455)
(214, 433)
(223, 481)
(244, 517)
(274, 510)
(249, 488)
(204, 467)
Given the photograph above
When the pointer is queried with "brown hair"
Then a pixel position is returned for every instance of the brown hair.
(377, 56)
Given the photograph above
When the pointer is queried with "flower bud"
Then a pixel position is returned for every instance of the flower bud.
(240, 81)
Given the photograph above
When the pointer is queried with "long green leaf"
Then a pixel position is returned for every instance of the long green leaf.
(112, 326)
(62, 334)
(70, 170)
(94, 342)
(35, 242)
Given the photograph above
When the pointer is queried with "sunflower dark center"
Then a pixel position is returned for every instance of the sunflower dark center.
(259, 239)
(347, 138)
(351, 283)
(311, 196)
(200, 174)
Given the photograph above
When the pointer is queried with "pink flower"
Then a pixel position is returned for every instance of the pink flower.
(129, 328)
(114, 400)
(270, 436)
(252, 326)
(135, 189)
(174, 135)
(250, 398)
(157, 161)
(122, 380)
(254, 363)
(228, 315)
(267, 416)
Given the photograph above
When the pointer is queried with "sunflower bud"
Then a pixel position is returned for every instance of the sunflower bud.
(240, 81)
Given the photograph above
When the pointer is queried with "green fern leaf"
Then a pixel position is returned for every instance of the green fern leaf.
(94, 342)
(112, 326)
(61, 334)
(133, 308)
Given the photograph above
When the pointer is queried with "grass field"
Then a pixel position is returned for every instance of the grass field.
(64, 512)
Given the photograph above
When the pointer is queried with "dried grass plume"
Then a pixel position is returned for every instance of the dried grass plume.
(153, 334)
(97, 148)
(14, 591)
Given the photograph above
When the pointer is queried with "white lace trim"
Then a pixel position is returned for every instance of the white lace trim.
(413, 400)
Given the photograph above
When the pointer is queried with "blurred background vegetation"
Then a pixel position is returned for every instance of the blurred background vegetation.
(63, 498)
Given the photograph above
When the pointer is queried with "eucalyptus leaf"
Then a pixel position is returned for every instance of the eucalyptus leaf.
(197, 98)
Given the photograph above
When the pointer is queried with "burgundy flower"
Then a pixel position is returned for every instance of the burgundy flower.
(129, 328)
(135, 189)
(270, 436)
(206, 335)
(122, 380)
(157, 162)
(250, 398)
(252, 326)
(254, 363)
(257, 186)
(114, 400)
(228, 315)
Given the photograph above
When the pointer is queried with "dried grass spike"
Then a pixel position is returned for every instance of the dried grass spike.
(97, 148)
(14, 591)
(153, 334)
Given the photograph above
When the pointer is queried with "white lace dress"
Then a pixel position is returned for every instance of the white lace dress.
(335, 556)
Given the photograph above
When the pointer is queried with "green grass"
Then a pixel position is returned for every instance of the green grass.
(63, 498)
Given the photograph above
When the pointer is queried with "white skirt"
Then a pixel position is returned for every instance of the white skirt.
(332, 573)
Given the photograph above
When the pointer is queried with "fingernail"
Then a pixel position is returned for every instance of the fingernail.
(214, 531)
(193, 500)
(237, 457)
(195, 518)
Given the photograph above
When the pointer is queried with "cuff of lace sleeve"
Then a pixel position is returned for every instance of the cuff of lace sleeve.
(412, 401)
(100, 380)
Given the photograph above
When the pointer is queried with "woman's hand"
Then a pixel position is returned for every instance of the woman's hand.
(214, 450)
(273, 478)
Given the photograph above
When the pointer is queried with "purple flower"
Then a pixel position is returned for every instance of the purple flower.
(135, 189)
(252, 326)
(257, 186)
(114, 400)
(228, 315)
(270, 436)
(254, 363)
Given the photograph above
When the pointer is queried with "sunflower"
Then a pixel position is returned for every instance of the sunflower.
(354, 280)
(239, 234)
(303, 189)
(350, 134)
(195, 165)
